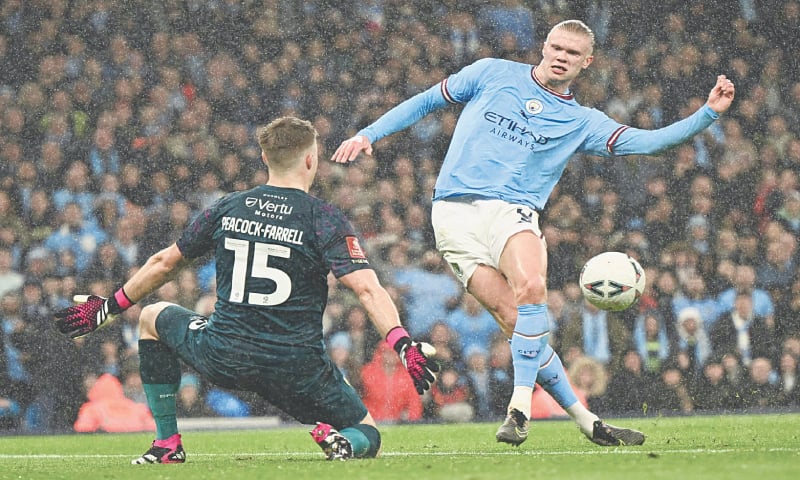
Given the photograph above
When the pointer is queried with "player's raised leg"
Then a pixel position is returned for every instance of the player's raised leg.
(493, 292)
(553, 378)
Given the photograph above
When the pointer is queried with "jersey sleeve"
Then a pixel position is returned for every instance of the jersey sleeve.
(457, 88)
(611, 138)
(460, 87)
(341, 247)
(198, 237)
(405, 114)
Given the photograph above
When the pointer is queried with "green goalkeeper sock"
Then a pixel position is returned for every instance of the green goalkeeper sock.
(161, 377)
(365, 440)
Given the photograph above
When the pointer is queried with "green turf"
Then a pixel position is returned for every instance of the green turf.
(764, 447)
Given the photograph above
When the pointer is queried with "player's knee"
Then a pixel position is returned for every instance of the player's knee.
(532, 289)
(147, 320)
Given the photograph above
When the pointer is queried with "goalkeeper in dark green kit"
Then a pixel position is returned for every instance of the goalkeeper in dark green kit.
(274, 246)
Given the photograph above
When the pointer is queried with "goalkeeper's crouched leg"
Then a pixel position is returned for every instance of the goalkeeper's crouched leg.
(358, 441)
(365, 438)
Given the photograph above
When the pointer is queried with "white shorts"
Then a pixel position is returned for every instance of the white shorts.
(472, 231)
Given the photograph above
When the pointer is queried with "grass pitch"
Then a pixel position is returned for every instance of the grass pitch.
(760, 447)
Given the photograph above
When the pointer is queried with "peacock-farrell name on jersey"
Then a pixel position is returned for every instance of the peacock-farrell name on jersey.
(273, 248)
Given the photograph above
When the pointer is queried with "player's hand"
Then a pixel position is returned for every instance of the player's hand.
(419, 362)
(721, 95)
(89, 313)
(351, 148)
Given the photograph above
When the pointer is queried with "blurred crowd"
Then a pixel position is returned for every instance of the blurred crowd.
(121, 120)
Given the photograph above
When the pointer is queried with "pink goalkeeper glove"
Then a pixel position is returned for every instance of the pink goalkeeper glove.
(416, 357)
(90, 313)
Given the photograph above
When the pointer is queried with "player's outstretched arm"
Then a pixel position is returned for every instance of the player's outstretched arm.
(417, 357)
(396, 119)
(634, 141)
(351, 148)
(721, 96)
(91, 312)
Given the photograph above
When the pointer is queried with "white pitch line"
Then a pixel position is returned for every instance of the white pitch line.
(637, 451)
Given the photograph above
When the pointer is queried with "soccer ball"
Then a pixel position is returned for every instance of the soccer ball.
(612, 281)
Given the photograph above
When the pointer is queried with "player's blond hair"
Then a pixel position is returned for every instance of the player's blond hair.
(575, 26)
(285, 140)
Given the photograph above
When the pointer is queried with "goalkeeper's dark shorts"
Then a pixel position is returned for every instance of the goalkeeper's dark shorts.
(302, 382)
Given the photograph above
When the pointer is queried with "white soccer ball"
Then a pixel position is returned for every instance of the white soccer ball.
(612, 281)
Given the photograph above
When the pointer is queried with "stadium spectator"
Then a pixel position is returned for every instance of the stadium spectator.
(75, 236)
(789, 379)
(56, 393)
(651, 341)
(133, 186)
(168, 225)
(76, 190)
(388, 392)
(628, 387)
(126, 241)
(471, 323)
(451, 398)
(106, 265)
(563, 248)
(340, 347)
(10, 279)
(446, 342)
(734, 370)
(670, 394)
(190, 399)
(11, 221)
(695, 295)
(776, 271)
(14, 341)
(589, 379)
(761, 389)
(429, 292)
(658, 230)
(664, 287)
(693, 342)
(501, 375)
(744, 332)
(510, 25)
(10, 410)
(9, 413)
(103, 154)
(39, 218)
(477, 370)
(591, 330)
(108, 410)
(713, 391)
(361, 335)
(744, 281)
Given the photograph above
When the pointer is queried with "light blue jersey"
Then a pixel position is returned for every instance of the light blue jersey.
(515, 136)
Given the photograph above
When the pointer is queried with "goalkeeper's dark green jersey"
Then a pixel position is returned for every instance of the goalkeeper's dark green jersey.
(273, 248)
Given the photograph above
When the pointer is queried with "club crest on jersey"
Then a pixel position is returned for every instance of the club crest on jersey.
(534, 107)
(354, 248)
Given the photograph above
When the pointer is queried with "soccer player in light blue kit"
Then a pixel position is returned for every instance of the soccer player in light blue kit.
(519, 126)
